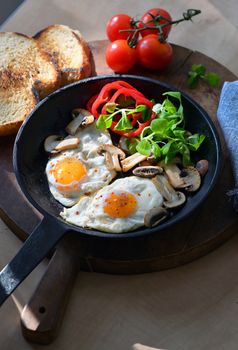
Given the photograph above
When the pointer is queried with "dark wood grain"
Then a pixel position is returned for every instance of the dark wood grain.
(210, 226)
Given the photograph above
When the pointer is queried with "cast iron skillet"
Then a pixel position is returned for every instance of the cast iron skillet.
(50, 117)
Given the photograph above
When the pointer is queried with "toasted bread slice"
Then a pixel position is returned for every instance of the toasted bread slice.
(18, 51)
(17, 99)
(25, 72)
(69, 50)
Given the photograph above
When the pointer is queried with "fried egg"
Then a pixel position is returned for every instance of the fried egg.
(118, 207)
(79, 171)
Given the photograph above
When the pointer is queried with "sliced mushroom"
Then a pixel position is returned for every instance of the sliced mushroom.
(54, 143)
(81, 111)
(51, 142)
(88, 120)
(150, 161)
(147, 171)
(178, 199)
(68, 143)
(191, 178)
(187, 178)
(145, 163)
(113, 156)
(74, 125)
(172, 198)
(173, 173)
(109, 161)
(129, 162)
(202, 166)
(155, 216)
(81, 118)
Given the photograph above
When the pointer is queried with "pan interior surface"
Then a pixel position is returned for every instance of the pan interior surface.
(52, 115)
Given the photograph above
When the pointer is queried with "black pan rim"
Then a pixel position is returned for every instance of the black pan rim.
(139, 232)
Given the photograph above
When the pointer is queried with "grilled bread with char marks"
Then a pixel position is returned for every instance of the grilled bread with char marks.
(32, 68)
(27, 73)
(17, 98)
(68, 49)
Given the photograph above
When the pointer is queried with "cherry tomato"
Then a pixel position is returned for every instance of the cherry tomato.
(116, 23)
(148, 19)
(153, 54)
(120, 57)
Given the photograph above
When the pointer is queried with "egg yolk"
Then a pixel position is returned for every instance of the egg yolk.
(120, 205)
(69, 170)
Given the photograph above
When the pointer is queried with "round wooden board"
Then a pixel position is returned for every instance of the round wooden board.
(213, 224)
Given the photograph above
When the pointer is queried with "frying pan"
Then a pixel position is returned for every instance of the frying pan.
(50, 117)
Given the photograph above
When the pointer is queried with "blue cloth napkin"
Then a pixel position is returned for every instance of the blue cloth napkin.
(227, 115)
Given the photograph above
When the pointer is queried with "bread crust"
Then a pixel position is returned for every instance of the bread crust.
(10, 128)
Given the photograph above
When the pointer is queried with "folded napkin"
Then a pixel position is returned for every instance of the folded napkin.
(227, 115)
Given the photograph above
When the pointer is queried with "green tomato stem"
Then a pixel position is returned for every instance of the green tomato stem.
(187, 16)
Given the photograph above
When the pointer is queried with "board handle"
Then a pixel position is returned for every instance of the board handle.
(37, 246)
(42, 317)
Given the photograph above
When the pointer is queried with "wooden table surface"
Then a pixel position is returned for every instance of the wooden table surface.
(190, 307)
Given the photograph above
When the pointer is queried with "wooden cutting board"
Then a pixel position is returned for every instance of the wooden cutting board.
(211, 226)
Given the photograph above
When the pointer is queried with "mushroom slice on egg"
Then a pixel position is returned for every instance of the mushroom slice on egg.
(68, 143)
(54, 143)
(187, 178)
(155, 216)
(172, 198)
(147, 171)
(113, 156)
(81, 118)
(129, 162)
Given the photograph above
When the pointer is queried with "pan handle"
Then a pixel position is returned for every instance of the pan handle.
(49, 300)
(34, 250)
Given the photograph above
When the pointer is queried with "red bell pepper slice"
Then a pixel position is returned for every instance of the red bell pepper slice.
(105, 95)
(90, 103)
(109, 94)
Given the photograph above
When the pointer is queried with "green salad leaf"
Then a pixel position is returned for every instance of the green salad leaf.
(105, 120)
(124, 123)
(144, 147)
(165, 137)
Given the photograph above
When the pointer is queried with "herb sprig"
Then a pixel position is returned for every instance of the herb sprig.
(197, 72)
(113, 109)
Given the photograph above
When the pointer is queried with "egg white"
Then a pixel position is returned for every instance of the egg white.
(89, 212)
(98, 174)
